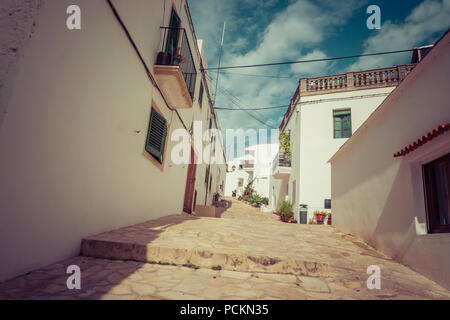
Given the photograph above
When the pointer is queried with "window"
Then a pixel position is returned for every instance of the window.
(200, 94)
(342, 121)
(210, 183)
(156, 136)
(173, 34)
(327, 204)
(240, 182)
(436, 176)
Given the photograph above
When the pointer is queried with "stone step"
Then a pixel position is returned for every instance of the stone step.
(218, 259)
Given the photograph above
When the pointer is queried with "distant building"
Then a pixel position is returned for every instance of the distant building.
(253, 167)
(324, 112)
(390, 182)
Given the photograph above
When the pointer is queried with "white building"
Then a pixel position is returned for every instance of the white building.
(86, 118)
(391, 179)
(255, 166)
(323, 114)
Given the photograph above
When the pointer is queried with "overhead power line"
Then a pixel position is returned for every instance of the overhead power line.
(254, 109)
(235, 101)
(255, 75)
(309, 61)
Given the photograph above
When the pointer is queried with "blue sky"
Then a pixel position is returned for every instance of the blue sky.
(273, 31)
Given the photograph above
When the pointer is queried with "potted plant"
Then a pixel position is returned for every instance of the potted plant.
(178, 58)
(285, 210)
(320, 216)
(216, 197)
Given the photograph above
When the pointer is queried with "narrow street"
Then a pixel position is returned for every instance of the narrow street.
(243, 253)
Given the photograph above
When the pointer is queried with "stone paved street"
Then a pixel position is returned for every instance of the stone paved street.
(244, 254)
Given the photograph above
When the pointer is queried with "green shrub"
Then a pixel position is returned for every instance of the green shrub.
(286, 209)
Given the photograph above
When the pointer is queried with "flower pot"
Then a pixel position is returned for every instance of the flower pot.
(320, 218)
(163, 59)
(286, 219)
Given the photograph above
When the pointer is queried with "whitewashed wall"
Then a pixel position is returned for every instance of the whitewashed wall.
(380, 198)
(313, 144)
(72, 141)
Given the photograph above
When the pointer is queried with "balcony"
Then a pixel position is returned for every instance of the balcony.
(281, 167)
(249, 165)
(175, 71)
(368, 79)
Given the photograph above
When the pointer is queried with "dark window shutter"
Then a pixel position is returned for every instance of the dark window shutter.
(156, 137)
(342, 123)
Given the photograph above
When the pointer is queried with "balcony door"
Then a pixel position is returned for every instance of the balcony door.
(173, 34)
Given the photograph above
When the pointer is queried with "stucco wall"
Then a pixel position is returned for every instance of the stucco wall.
(17, 22)
(313, 144)
(318, 144)
(72, 141)
(380, 198)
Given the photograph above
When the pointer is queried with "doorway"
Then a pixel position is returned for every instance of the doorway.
(190, 184)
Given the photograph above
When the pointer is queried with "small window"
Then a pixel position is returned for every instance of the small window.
(437, 194)
(240, 182)
(200, 94)
(327, 204)
(342, 122)
(156, 137)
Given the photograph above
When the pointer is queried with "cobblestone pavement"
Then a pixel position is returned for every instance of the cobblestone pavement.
(242, 230)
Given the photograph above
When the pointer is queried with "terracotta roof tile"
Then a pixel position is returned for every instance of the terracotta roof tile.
(424, 139)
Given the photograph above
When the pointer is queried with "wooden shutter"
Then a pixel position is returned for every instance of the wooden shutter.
(156, 137)
(342, 123)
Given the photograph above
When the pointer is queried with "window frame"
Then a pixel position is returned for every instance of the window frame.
(342, 126)
(431, 211)
(147, 153)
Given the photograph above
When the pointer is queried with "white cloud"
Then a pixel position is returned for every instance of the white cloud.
(430, 17)
(312, 68)
(292, 34)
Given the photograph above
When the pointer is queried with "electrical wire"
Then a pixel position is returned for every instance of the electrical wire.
(255, 75)
(233, 99)
(308, 61)
(147, 70)
(254, 109)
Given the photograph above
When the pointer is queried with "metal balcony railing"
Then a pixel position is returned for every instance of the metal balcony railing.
(176, 51)
(282, 159)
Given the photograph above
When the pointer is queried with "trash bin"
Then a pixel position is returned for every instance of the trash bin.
(303, 214)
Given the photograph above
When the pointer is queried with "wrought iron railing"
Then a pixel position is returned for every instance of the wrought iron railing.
(176, 51)
(282, 159)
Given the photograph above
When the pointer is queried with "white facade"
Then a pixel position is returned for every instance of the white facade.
(380, 198)
(74, 114)
(307, 181)
(254, 166)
